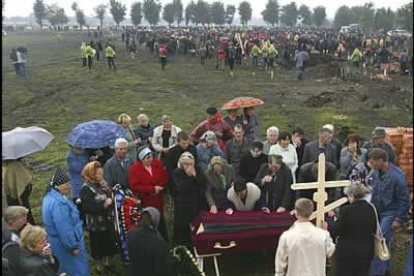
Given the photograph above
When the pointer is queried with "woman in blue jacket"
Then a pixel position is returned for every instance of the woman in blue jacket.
(64, 227)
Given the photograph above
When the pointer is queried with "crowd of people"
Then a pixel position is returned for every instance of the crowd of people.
(219, 166)
(268, 47)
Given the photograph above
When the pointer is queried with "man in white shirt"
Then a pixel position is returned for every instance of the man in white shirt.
(304, 248)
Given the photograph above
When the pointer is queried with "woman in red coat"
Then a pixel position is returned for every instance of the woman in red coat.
(147, 179)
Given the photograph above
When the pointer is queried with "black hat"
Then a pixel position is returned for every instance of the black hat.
(240, 185)
(257, 145)
(211, 111)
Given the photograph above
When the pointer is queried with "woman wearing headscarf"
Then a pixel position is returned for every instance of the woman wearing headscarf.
(147, 179)
(64, 227)
(148, 251)
(133, 141)
(96, 203)
(219, 178)
(190, 183)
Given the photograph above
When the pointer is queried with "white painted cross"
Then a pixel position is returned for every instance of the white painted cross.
(321, 196)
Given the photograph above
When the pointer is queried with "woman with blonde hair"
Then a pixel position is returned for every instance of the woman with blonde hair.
(144, 130)
(133, 141)
(36, 257)
(96, 203)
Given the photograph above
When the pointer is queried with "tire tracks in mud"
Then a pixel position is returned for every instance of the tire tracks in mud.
(36, 99)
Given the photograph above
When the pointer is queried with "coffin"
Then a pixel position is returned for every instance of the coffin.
(240, 232)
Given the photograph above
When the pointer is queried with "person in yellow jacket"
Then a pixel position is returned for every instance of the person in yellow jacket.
(83, 53)
(265, 55)
(272, 55)
(110, 55)
(89, 53)
(356, 56)
(255, 54)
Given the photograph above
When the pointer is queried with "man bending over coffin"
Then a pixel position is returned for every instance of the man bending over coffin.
(304, 248)
(245, 197)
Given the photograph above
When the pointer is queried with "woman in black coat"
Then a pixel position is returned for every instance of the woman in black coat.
(355, 230)
(189, 200)
(148, 251)
(275, 179)
(96, 203)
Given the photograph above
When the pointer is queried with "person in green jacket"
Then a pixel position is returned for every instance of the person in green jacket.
(83, 53)
(265, 55)
(272, 55)
(356, 57)
(90, 53)
(255, 55)
(110, 55)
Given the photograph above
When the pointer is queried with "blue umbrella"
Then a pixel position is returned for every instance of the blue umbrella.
(95, 134)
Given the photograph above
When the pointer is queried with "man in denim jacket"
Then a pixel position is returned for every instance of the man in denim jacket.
(391, 198)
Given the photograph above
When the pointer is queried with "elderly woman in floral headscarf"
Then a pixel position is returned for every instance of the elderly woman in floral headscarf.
(64, 227)
(190, 186)
(219, 178)
(96, 203)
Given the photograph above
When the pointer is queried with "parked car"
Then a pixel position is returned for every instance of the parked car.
(355, 28)
(399, 33)
(344, 30)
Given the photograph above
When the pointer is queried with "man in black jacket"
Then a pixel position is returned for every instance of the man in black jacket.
(309, 173)
(173, 155)
(148, 251)
(275, 179)
(250, 162)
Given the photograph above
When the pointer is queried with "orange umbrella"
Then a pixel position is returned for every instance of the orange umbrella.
(242, 102)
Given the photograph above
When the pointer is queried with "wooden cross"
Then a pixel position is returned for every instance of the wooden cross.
(321, 196)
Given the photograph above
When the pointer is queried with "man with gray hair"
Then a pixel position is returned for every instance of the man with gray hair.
(322, 145)
(336, 143)
(293, 258)
(272, 135)
(116, 169)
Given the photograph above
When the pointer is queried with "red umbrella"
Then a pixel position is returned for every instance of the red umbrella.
(242, 102)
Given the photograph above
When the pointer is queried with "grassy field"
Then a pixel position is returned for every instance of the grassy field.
(58, 94)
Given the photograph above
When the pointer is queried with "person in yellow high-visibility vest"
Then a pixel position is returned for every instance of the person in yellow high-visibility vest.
(265, 55)
(356, 56)
(255, 55)
(110, 55)
(272, 55)
(83, 53)
(89, 53)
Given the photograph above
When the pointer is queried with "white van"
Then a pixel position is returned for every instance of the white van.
(344, 30)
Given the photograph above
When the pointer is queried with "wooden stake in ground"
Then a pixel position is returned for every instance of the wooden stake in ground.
(320, 197)
(271, 74)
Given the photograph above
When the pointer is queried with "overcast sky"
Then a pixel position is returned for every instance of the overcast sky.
(25, 7)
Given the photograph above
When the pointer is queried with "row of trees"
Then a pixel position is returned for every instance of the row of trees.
(374, 19)
(201, 12)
